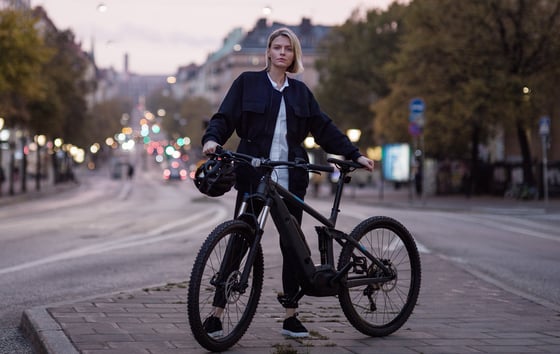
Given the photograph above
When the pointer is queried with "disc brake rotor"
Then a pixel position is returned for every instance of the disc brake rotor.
(232, 286)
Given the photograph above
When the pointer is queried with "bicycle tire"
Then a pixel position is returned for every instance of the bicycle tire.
(379, 310)
(240, 307)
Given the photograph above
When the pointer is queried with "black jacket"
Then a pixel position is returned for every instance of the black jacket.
(251, 108)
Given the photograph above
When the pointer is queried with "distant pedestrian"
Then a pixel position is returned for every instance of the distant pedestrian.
(2, 178)
(130, 171)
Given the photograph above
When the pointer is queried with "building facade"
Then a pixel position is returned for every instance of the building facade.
(15, 4)
(246, 52)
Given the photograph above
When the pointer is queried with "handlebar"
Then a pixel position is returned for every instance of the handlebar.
(343, 165)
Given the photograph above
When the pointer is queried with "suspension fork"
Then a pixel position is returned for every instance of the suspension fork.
(259, 230)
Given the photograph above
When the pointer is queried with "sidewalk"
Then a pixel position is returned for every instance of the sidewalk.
(456, 313)
(46, 188)
(404, 198)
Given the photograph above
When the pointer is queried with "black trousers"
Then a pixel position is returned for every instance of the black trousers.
(237, 247)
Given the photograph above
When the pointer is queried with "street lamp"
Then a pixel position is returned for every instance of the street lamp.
(4, 135)
(354, 135)
(57, 157)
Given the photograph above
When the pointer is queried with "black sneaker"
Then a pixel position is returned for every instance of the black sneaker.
(213, 326)
(292, 327)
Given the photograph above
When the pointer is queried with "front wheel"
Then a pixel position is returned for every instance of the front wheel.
(215, 282)
(380, 308)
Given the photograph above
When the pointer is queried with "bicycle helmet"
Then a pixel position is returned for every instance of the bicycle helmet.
(214, 177)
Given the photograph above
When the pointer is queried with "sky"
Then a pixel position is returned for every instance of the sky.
(159, 36)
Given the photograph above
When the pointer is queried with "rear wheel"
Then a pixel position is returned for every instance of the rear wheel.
(215, 281)
(381, 308)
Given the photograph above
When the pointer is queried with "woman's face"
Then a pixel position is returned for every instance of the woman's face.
(281, 53)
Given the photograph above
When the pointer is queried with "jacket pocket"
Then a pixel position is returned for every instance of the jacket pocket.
(252, 122)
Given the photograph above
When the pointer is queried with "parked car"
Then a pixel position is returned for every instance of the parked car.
(175, 170)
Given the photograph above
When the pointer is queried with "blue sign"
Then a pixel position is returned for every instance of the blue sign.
(417, 106)
(416, 116)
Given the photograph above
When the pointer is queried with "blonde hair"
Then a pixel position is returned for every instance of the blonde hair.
(297, 64)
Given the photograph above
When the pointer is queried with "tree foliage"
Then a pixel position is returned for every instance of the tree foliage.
(470, 61)
(183, 118)
(42, 78)
(162, 99)
(66, 102)
(22, 56)
(105, 118)
(196, 112)
(351, 73)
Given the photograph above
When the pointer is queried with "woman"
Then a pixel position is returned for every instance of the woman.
(273, 114)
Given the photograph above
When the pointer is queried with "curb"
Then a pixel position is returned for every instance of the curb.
(45, 334)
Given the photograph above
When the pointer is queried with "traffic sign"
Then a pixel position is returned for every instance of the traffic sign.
(416, 116)
(417, 106)
(414, 129)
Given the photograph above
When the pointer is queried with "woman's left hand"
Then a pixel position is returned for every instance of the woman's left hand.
(367, 163)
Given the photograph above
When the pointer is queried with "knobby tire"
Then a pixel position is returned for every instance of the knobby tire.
(240, 307)
(379, 310)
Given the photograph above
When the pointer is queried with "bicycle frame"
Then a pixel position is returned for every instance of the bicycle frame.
(376, 279)
(317, 280)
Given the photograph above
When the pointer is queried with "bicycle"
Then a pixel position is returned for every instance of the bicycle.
(377, 278)
(522, 191)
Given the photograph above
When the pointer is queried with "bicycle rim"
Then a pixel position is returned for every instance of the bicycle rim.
(209, 282)
(381, 309)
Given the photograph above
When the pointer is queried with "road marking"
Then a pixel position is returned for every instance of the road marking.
(517, 229)
(526, 232)
(199, 221)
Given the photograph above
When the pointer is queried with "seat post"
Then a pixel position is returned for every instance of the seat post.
(338, 196)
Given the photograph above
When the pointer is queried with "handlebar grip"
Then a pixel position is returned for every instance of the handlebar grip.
(345, 163)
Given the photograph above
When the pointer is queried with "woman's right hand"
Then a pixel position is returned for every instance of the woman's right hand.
(209, 147)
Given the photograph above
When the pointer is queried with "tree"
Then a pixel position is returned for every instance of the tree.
(470, 61)
(527, 48)
(351, 73)
(65, 73)
(438, 62)
(23, 53)
(105, 118)
(184, 118)
(162, 99)
(196, 111)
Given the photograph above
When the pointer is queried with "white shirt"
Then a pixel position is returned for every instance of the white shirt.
(279, 147)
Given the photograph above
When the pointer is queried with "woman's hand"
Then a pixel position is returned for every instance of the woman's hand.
(209, 147)
(367, 163)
